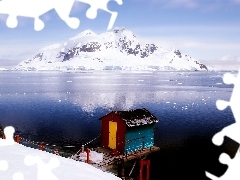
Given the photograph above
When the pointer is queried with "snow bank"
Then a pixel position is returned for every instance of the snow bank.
(95, 157)
(17, 162)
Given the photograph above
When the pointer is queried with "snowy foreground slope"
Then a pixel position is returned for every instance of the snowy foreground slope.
(119, 49)
(17, 163)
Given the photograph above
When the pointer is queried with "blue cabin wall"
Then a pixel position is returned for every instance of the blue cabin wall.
(134, 138)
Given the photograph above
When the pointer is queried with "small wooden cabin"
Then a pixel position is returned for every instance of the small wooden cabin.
(128, 131)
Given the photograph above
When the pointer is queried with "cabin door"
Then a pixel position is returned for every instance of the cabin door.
(112, 135)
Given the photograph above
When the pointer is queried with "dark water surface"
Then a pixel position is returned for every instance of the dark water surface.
(64, 108)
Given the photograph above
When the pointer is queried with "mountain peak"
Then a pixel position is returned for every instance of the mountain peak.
(123, 32)
(119, 29)
(87, 32)
(51, 47)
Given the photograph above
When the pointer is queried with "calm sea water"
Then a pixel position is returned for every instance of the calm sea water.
(64, 109)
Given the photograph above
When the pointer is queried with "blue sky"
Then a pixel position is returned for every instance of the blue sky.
(208, 30)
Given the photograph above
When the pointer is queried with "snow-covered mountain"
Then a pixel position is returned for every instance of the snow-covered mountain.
(116, 50)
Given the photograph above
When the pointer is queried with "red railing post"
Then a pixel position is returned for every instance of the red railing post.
(56, 151)
(88, 155)
(41, 146)
(142, 164)
(17, 138)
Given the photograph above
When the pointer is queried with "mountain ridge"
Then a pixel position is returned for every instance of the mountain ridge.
(119, 49)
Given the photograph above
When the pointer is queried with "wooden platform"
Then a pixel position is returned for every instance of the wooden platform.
(137, 154)
(110, 161)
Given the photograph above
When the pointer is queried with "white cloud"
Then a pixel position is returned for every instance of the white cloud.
(201, 42)
(229, 58)
(204, 5)
(225, 62)
(188, 42)
(173, 3)
(184, 3)
(208, 51)
(185, 29)
(20, 49)
(226, 58)
(6, 63)
(213, 45)
(235, 1)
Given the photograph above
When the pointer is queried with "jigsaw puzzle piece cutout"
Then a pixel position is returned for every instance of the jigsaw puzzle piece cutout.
(63, 8)
(96, 5)
(44, 170)
(12, 21)
(26, 8)
(112, 7)
(232, 130)
(229, 78)
(18, 176)
(229, 147)
(221, 104)
(36, 8)
(9, 136)
(3, 165)
(233, 172)
(9, 140)
(38, 24)
(235, 97)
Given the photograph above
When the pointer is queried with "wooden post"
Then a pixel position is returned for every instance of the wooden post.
(142, 164)
(88, 155)
(41, 146)
(17, 138)
(56, 151)
(121, 169)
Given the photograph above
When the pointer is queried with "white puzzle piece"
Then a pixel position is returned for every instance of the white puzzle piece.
(3, 165)
(101, 5)
(231, 131)
(36, 8)
(44, 170)
(9, 133)
(8, 141)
